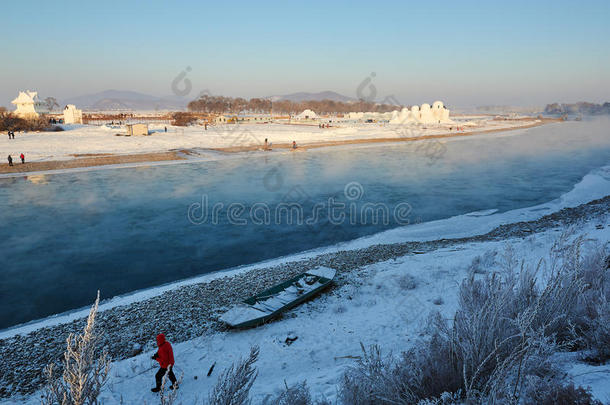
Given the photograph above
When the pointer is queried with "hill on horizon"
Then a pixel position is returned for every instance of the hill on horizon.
(126, 100)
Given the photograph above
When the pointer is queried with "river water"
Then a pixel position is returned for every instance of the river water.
(64, 236)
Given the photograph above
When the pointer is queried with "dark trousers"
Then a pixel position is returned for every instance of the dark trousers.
(161, 373)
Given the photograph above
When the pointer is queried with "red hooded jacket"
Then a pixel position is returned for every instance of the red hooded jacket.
(165, 354)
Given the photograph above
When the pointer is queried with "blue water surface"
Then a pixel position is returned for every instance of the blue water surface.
(64, 236)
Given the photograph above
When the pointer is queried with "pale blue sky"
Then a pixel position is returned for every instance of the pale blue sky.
(466, 53)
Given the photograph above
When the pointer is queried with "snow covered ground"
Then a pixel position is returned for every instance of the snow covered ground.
(91, 139)
(385, 303)
(379, 307)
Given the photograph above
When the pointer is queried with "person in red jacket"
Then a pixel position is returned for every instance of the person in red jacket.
(165, 357)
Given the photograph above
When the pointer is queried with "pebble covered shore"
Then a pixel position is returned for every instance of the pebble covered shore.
(193, 310)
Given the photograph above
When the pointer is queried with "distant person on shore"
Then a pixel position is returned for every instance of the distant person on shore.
(266, 145)
(165, 129)
(165, 357)
(206, 126)
(294, 144)
(22, 156)
(10, 160)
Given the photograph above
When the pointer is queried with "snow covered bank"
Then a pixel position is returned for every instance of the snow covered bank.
(85, 140)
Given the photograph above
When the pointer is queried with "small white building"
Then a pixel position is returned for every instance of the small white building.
(72, 115)
(29, 105)
(137, 129)
(307, 115)
(220, 119)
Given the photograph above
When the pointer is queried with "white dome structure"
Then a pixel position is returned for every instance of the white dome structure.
(437, 114)
(440, 113)
(307, 115)
(426, 114)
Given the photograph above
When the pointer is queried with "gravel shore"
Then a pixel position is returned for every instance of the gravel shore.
(90, 161)
(193, 310)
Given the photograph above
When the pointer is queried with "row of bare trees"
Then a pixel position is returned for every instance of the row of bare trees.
(224, 105)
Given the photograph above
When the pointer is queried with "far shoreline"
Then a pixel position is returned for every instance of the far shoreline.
(108, 159)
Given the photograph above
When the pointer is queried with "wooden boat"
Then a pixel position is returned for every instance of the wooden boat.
(268, 304)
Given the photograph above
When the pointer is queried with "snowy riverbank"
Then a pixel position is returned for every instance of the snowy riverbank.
(371, 302)
(90, 142)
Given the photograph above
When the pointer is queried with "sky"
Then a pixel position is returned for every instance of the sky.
(466, 53)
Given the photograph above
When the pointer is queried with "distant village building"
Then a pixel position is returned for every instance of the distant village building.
(72, 115)
(258, 118)
(220, 119)
(29, 105)
(307, 115)
(137, 129)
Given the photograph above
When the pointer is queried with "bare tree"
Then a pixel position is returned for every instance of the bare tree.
(84, 374)
(233, 386)
(51, 103)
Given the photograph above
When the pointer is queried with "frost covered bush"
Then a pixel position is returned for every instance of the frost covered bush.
(169, 396)
(422, 372)
(599, 334)
(234, 384)
(507, 326)
(540, 391)
(84, 373)
(593, 322)
(446, 398)
(297, 394)
(480, 264)
(368, 382)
